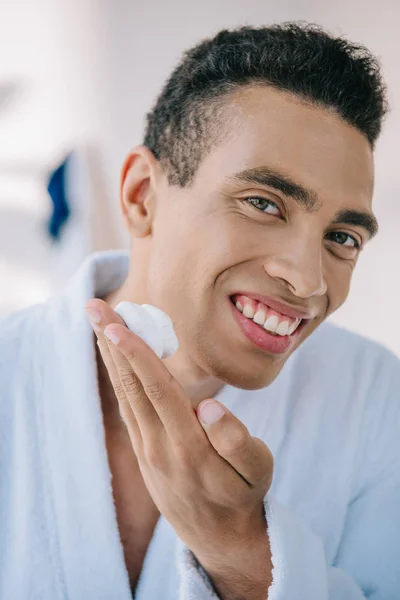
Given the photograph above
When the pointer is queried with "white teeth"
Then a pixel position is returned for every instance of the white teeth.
(294, 326)
(283, 328)
(239, 306)
(248, 311)
(259, 317)
(271, 323)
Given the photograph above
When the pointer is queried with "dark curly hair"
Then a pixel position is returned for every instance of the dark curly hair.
(295, 57)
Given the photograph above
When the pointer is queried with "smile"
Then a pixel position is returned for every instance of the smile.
(268, 318)
(270, 330)
(265, 316)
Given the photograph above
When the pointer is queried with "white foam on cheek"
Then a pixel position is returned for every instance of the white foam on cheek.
(140, 323)
(152, 325)
(166, 329)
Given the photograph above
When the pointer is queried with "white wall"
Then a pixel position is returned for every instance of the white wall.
(115, 56)
(53, 54)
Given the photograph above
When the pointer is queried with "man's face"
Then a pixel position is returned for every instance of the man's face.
(232, 238)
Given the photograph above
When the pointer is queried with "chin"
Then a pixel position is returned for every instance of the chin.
(252, 378)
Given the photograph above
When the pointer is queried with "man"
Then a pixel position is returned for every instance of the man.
(255, 463)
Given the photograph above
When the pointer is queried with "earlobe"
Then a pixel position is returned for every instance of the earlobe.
(137, 191)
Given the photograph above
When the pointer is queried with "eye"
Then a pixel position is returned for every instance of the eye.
(344, 239)
(264, 205)
(346, 245)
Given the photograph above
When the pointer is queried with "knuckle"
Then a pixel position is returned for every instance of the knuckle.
(129, 382)
(132, 387)
(119, 389)
(264, 452)
(265, 462)
(233, 440)
(156, 390)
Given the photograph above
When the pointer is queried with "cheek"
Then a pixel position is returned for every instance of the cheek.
(206, 247)
(338, 279)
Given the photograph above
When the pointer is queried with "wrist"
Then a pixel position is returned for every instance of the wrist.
(241, 569)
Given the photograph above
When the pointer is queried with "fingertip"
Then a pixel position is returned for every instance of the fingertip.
(210, 411)
(93, 303)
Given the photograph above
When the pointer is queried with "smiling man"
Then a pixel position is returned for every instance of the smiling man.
(254, 463)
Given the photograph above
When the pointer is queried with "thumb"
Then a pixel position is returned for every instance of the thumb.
(249, 456)
(209, 412)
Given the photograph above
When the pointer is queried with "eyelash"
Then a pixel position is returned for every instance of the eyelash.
(260, 199)
(357, 244)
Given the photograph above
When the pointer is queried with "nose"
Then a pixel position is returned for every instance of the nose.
(299, 267)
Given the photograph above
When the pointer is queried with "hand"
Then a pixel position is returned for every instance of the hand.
(207, 476)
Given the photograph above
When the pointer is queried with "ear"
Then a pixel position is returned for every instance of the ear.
(138, 190)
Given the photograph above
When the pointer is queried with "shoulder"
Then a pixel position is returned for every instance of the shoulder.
(18, 328)
(350, 375)
(362, 376)
(22, 343)
(353, 383)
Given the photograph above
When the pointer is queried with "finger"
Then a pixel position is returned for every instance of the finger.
(100, 315)
(124, 408)
(104, 315)
(166, 395)
(249, 456)
(139, 403)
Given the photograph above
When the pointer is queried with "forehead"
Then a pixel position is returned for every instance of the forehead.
(267, 127)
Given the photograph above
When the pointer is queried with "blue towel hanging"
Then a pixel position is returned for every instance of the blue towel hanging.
(57, 188)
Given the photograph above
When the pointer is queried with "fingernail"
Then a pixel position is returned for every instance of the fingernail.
(210, 412)
(112, 336)
(94, 317)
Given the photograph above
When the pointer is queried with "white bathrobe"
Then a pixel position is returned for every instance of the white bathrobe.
(331, 419)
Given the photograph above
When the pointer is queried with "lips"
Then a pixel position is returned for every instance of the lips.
(261, 338)
(280, 341)
(280, 307)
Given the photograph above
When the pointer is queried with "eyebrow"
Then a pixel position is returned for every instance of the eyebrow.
(362, 219)
(305, 197)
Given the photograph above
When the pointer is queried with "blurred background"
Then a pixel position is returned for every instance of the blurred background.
(76, 80)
